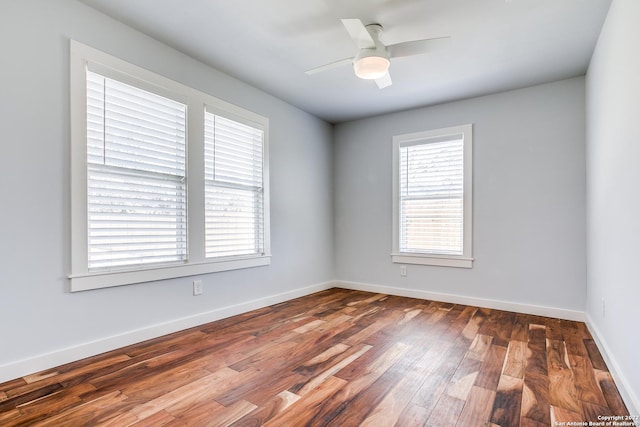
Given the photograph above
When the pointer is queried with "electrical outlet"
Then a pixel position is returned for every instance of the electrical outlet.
(197, 287)
(603, 308)
(403, 270)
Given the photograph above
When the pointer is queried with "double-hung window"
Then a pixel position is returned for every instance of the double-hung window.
(234, 191)
(166, 180)
(136, 176)
(432, 208)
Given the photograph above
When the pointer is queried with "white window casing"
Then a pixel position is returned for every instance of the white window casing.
(432, 197)
(140, 195)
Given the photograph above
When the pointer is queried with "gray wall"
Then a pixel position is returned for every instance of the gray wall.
(38, 314)
(529, 198)
(613, 194)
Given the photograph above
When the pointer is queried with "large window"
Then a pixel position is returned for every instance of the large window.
(166, 181)
(432, 181)
(136, 176)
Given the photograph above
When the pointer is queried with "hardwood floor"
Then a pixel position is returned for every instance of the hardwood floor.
(339, 358)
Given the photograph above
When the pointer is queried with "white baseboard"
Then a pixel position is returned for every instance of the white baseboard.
(62, 356)
(558, 313)
(624, 387)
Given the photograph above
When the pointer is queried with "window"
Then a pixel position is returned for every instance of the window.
(432, 185)
(136, 176)
(233, 188)
(166, 181)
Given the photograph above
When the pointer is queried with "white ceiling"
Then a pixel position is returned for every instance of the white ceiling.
(496, 45)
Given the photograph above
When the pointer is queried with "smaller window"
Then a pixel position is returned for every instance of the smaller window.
(234, 196)
(432, 186)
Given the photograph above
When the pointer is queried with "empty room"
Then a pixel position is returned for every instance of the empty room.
(320, 212)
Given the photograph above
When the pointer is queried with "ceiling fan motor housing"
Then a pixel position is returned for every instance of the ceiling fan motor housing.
(372, 63)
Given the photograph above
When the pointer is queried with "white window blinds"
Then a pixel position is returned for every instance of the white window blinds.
(234, 196)
(136, 195)
(431, 196)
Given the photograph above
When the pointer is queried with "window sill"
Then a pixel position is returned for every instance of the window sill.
(435, 260)
(107, 279)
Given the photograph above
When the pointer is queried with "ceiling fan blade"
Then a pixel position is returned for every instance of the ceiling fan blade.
(329, 66)
(418, 47)
(359, 33)
(384, 81)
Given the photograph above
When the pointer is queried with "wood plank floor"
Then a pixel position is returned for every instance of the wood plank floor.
(339, 358)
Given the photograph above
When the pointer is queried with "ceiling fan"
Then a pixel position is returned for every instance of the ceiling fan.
(372, 60)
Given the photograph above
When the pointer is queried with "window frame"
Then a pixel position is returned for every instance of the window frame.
(445, 260)
(83, 57)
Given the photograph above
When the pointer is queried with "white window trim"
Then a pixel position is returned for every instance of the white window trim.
(466, 259)
(80, 277)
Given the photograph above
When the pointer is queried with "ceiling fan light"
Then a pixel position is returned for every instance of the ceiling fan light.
(371, 67)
